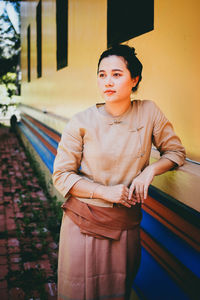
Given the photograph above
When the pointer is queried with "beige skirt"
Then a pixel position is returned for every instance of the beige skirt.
(93, 269)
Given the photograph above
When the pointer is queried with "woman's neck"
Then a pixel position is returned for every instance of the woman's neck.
(117, 109)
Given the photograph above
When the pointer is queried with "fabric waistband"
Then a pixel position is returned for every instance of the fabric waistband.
(102, 222)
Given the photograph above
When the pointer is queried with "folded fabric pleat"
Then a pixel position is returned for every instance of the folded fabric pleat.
(102, 222)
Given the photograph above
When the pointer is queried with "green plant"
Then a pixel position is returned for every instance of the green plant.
(30, 281)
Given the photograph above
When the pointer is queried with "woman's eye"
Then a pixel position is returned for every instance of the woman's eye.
(101, 75)
(116, 74)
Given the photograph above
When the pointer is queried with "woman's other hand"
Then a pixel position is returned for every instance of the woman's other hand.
(116, 194)
(140, 185)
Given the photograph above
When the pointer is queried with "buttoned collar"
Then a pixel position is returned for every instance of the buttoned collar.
(130, 117)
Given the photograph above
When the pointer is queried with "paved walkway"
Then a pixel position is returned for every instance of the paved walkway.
(29, 228)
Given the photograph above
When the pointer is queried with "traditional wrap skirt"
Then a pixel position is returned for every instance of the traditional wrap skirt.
(92, 269)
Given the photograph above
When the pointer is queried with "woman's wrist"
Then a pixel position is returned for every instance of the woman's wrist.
(161, 166)
(151, 169)
(99, 191)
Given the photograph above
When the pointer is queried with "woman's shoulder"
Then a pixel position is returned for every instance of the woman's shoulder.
(81, 118)
(83, 115)
(146, 106)
(145, 103)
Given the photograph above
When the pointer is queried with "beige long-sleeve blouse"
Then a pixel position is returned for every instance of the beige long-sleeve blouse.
(108, 150)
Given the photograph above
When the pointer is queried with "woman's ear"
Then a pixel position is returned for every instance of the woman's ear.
(135, 80)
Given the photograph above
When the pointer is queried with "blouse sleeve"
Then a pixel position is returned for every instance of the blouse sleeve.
(68, 158)
(166, 141)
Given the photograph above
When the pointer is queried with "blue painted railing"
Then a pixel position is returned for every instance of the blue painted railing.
(154, 281)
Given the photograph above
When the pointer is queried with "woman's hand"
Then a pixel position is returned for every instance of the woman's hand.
(120, 193)
(116, 194)
(140, 185)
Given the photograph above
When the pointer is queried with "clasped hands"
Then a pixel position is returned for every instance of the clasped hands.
(136, 193)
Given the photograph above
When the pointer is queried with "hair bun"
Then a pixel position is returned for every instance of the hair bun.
(133, 50)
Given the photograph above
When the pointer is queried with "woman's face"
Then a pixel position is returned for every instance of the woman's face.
(114, 79)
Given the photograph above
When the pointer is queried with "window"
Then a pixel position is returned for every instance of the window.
(39, 38)
(62, 32)
(29, 53)
(128, 19)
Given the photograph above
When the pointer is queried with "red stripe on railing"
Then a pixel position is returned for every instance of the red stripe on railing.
(49, 132)
(182, 275)
(50, 147)
(173, 221)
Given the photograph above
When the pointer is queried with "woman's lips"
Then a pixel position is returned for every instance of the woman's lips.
(109, 92)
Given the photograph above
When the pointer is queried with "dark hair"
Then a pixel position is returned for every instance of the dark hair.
(129, 55)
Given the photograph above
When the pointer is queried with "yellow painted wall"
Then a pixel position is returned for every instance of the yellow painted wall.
(170, 55)
(171, 59)
(72, 88)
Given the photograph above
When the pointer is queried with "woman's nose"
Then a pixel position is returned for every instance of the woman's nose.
(109, 81)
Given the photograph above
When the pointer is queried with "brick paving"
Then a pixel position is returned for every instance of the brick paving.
(29, 228)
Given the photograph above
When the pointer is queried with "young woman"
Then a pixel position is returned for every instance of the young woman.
(102, 169)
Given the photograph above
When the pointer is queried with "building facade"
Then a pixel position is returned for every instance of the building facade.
(61, 43)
